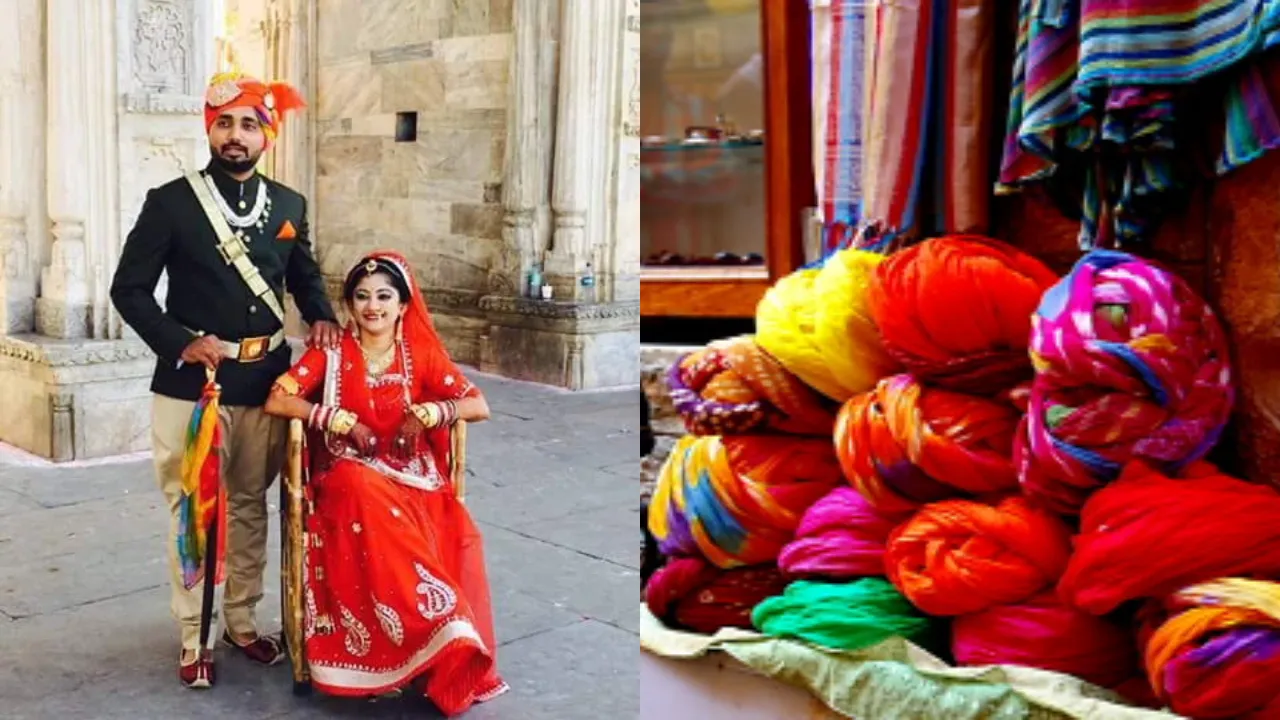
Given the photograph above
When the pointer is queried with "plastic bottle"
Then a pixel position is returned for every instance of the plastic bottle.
(588, 284)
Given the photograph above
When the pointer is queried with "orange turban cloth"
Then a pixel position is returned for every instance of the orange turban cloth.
(271, 100)
(736, 500)
(733, 387)
(1146, 535)
(1214, 650)
(956, 311)
(961, 556)
(903, 445)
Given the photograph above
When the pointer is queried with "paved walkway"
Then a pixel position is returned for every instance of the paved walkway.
(85, 630)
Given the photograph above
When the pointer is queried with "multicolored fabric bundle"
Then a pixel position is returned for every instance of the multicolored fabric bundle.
(736, 500)
(956, 311)
(734, 387)
(1216, 652)
(1148, 535)
(703, 598)
(1043, 633)
(202, 507)
(960, 556)
(840, 537)
(846, 616)
(1130, 364)
(816, 323)
(904, 445)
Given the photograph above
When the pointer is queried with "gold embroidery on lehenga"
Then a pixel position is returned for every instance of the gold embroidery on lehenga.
(358, 639)
(310, 628)
(440, 598)
(389, 619)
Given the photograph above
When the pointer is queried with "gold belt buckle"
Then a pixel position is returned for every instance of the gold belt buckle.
(253, 349)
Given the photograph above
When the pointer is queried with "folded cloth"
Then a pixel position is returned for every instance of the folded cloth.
(841, 537)
(956, 311)
(961, 556)
(905, 444)
(734, 387)
(736, 500)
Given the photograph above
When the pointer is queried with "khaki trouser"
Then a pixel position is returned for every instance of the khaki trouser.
(252, 455)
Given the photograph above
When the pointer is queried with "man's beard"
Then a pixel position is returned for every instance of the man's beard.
(243, 165)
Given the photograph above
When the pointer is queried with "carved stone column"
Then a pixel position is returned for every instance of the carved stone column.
(287, 33)
(22, 167)
(80, 43)
(575, 111)
(530, 134)
(585, 194)
(624, 271)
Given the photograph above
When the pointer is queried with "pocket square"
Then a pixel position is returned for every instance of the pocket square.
(287, 232)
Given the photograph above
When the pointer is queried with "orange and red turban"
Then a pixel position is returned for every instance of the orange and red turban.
(271, 100)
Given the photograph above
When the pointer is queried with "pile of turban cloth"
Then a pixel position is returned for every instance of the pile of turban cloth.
(954, 445)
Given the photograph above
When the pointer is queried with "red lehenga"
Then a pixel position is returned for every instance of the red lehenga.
(395, 585)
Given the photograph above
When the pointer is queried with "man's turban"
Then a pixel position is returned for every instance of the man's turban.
(270, 100)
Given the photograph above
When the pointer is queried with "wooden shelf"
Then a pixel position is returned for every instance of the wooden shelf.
(734, 292)
(724, 292)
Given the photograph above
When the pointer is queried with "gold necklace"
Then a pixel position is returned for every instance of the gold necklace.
(375, 366)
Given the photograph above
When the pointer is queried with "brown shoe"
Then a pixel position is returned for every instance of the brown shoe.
(265, 649)
(197, 674)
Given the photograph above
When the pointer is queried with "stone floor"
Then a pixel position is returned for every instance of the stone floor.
(85, 630)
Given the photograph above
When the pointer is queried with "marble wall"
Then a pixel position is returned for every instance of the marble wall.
(438, 198)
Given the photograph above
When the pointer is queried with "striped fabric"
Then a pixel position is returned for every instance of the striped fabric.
(926, 111)
(842, 156)
(1103, 78)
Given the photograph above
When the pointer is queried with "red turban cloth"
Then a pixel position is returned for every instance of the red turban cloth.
(956, 311)
(693, 594)
(960, 556)
(840, 538)
(903, 445)
(1043, 633)
(1147, 535)
(270, 100)
(734, 387)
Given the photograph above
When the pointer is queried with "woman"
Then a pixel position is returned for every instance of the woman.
(396, 593)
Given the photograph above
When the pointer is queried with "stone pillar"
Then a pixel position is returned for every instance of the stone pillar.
(80, 62)
(530, 133)
(22, 168)
(287, 35)
(624, 275)
(571, 249)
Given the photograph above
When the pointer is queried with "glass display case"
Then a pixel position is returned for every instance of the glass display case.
(726, 148)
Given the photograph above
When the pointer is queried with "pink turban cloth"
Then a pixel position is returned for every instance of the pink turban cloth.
(840, 538)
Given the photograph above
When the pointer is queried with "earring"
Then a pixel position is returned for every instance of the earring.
(400, 328)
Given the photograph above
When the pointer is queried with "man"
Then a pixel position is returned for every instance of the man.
(231, 240)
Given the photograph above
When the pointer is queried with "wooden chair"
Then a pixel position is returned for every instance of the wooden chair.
(294, 537)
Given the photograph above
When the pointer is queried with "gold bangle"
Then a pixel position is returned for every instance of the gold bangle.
(342, 422)
(428, 414)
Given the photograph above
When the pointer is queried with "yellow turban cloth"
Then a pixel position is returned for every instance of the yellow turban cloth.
(817, 324)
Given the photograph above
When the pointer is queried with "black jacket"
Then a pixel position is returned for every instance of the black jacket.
(207, 294)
